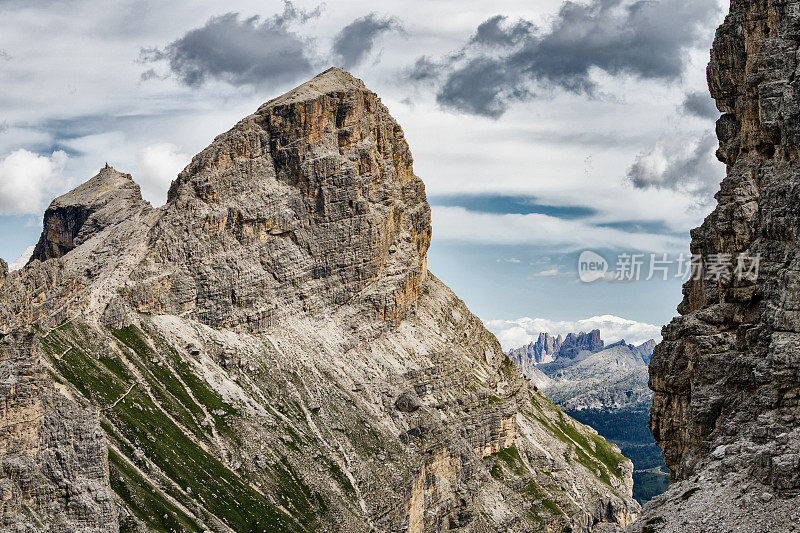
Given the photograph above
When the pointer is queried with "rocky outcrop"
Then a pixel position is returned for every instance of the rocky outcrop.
(53, 459)
(3, 271)
(575, 343)
(726, 375)
(269, 352)
(105, 200)
(302, 207)
(644, 350)
(543, 350)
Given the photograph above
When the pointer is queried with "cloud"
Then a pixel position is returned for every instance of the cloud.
(516, 333)
(28, 182)
(248, 51)
(679, 163)
(157, 165)
(355, 41)
(509, 260)
(700, 104)
(494, 32)
(508, 61)
(552, 273)
(5, 56)
(461, 225)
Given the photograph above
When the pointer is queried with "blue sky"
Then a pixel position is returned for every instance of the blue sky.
(540, 129)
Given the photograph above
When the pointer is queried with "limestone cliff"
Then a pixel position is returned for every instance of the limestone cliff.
(269, 352)
(52, 453)
(725, 411)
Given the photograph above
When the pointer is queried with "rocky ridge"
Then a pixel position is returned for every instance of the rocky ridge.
(543, 350)
(726, 375)
(272, 337)
(580, 371)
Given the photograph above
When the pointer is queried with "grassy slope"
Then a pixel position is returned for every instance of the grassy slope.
(160, 469)
(628, 430)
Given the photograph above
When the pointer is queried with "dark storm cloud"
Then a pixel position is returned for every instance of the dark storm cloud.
(248, 51)
(355, 41)
(494, 32)
(700, 104)
(506, 61)
(679, 164)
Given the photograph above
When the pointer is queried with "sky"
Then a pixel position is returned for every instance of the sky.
(541, 129)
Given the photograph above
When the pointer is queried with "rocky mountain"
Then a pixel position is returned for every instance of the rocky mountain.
(575, 344)
(543, 350)
(580, 372)
(548, 349)
(268, 352)
(727, 375)
(615, 377)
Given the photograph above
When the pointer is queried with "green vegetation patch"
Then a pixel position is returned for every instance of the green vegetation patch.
(146, 502)
(535, 492)
(142, 430)
(591, 451)
(171, 391)
(510, 456)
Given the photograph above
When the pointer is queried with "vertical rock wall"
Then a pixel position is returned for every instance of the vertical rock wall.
(53, 457)
(727, 375)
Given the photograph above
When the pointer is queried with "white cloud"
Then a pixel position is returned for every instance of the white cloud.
(157, 165)
(516, 333)
(28, 181)
(553, 273)
(684, 162)
(459, 224)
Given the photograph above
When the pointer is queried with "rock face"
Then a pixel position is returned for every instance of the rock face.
(726, 375)
(103, 201)
(575, 343)
(544, 350)
(53, 457)
(331, 211)
(269, 352)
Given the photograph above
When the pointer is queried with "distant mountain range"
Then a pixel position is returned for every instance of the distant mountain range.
(579, 371)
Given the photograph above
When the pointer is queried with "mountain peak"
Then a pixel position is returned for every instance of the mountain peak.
(331, 81)
(106, 199)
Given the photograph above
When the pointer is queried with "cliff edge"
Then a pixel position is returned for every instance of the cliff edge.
(725, 410)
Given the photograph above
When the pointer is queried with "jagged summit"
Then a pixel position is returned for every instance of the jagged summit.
(106, 199)
(107, 182)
